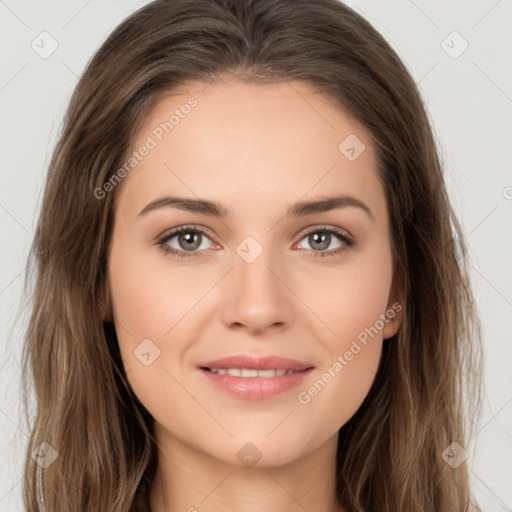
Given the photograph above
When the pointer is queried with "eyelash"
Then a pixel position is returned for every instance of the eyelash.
(162, 242)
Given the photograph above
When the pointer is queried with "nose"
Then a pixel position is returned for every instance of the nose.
(257, 296)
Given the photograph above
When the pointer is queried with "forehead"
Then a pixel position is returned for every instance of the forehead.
(232, 141)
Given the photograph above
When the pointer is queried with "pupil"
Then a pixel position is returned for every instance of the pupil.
(189, 238)
(322, 238)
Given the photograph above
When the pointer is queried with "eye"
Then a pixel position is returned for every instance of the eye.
(321, 238)
(188, 239)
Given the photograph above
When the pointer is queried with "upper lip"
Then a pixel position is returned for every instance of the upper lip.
(257, 363)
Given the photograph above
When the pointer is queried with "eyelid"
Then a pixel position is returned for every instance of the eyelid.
(325, 227)
(201, 229)
(168, 233)
(345, 236)
(348, 241)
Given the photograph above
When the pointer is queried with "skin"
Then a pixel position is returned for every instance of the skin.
(256, 149)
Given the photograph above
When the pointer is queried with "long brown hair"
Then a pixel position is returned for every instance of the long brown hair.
(427, 392)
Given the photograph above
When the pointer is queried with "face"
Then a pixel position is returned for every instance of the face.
(266, 268)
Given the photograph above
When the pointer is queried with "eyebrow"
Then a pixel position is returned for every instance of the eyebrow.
(300, 209)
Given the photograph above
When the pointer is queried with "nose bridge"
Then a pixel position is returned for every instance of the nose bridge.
(252, 267)
(257, 298)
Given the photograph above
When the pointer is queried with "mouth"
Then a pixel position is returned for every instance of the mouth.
(250, 372)
(253, 378)
(244, 362)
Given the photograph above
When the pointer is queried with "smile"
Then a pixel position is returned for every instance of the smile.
(251, 384)
(249, 372)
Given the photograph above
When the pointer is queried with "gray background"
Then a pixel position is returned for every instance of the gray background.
(469, 98)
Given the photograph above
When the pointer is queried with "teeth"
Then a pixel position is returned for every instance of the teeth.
(246, 372)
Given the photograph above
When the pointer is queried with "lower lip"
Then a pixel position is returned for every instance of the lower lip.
(256, 388)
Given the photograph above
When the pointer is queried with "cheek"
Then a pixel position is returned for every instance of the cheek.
(335, 394)
(142, 307)
(353, 348)
(147, 298)
(352, 298)
(154, 306)
(351, 303)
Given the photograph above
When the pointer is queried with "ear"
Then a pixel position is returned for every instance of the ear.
(395, 309)
(104, 301)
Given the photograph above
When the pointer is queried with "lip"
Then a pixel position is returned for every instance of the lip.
(256, 388)
(257, 363)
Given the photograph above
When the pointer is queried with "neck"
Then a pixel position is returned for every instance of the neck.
(187, 480)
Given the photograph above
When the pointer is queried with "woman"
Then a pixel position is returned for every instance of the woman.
(252, 290)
